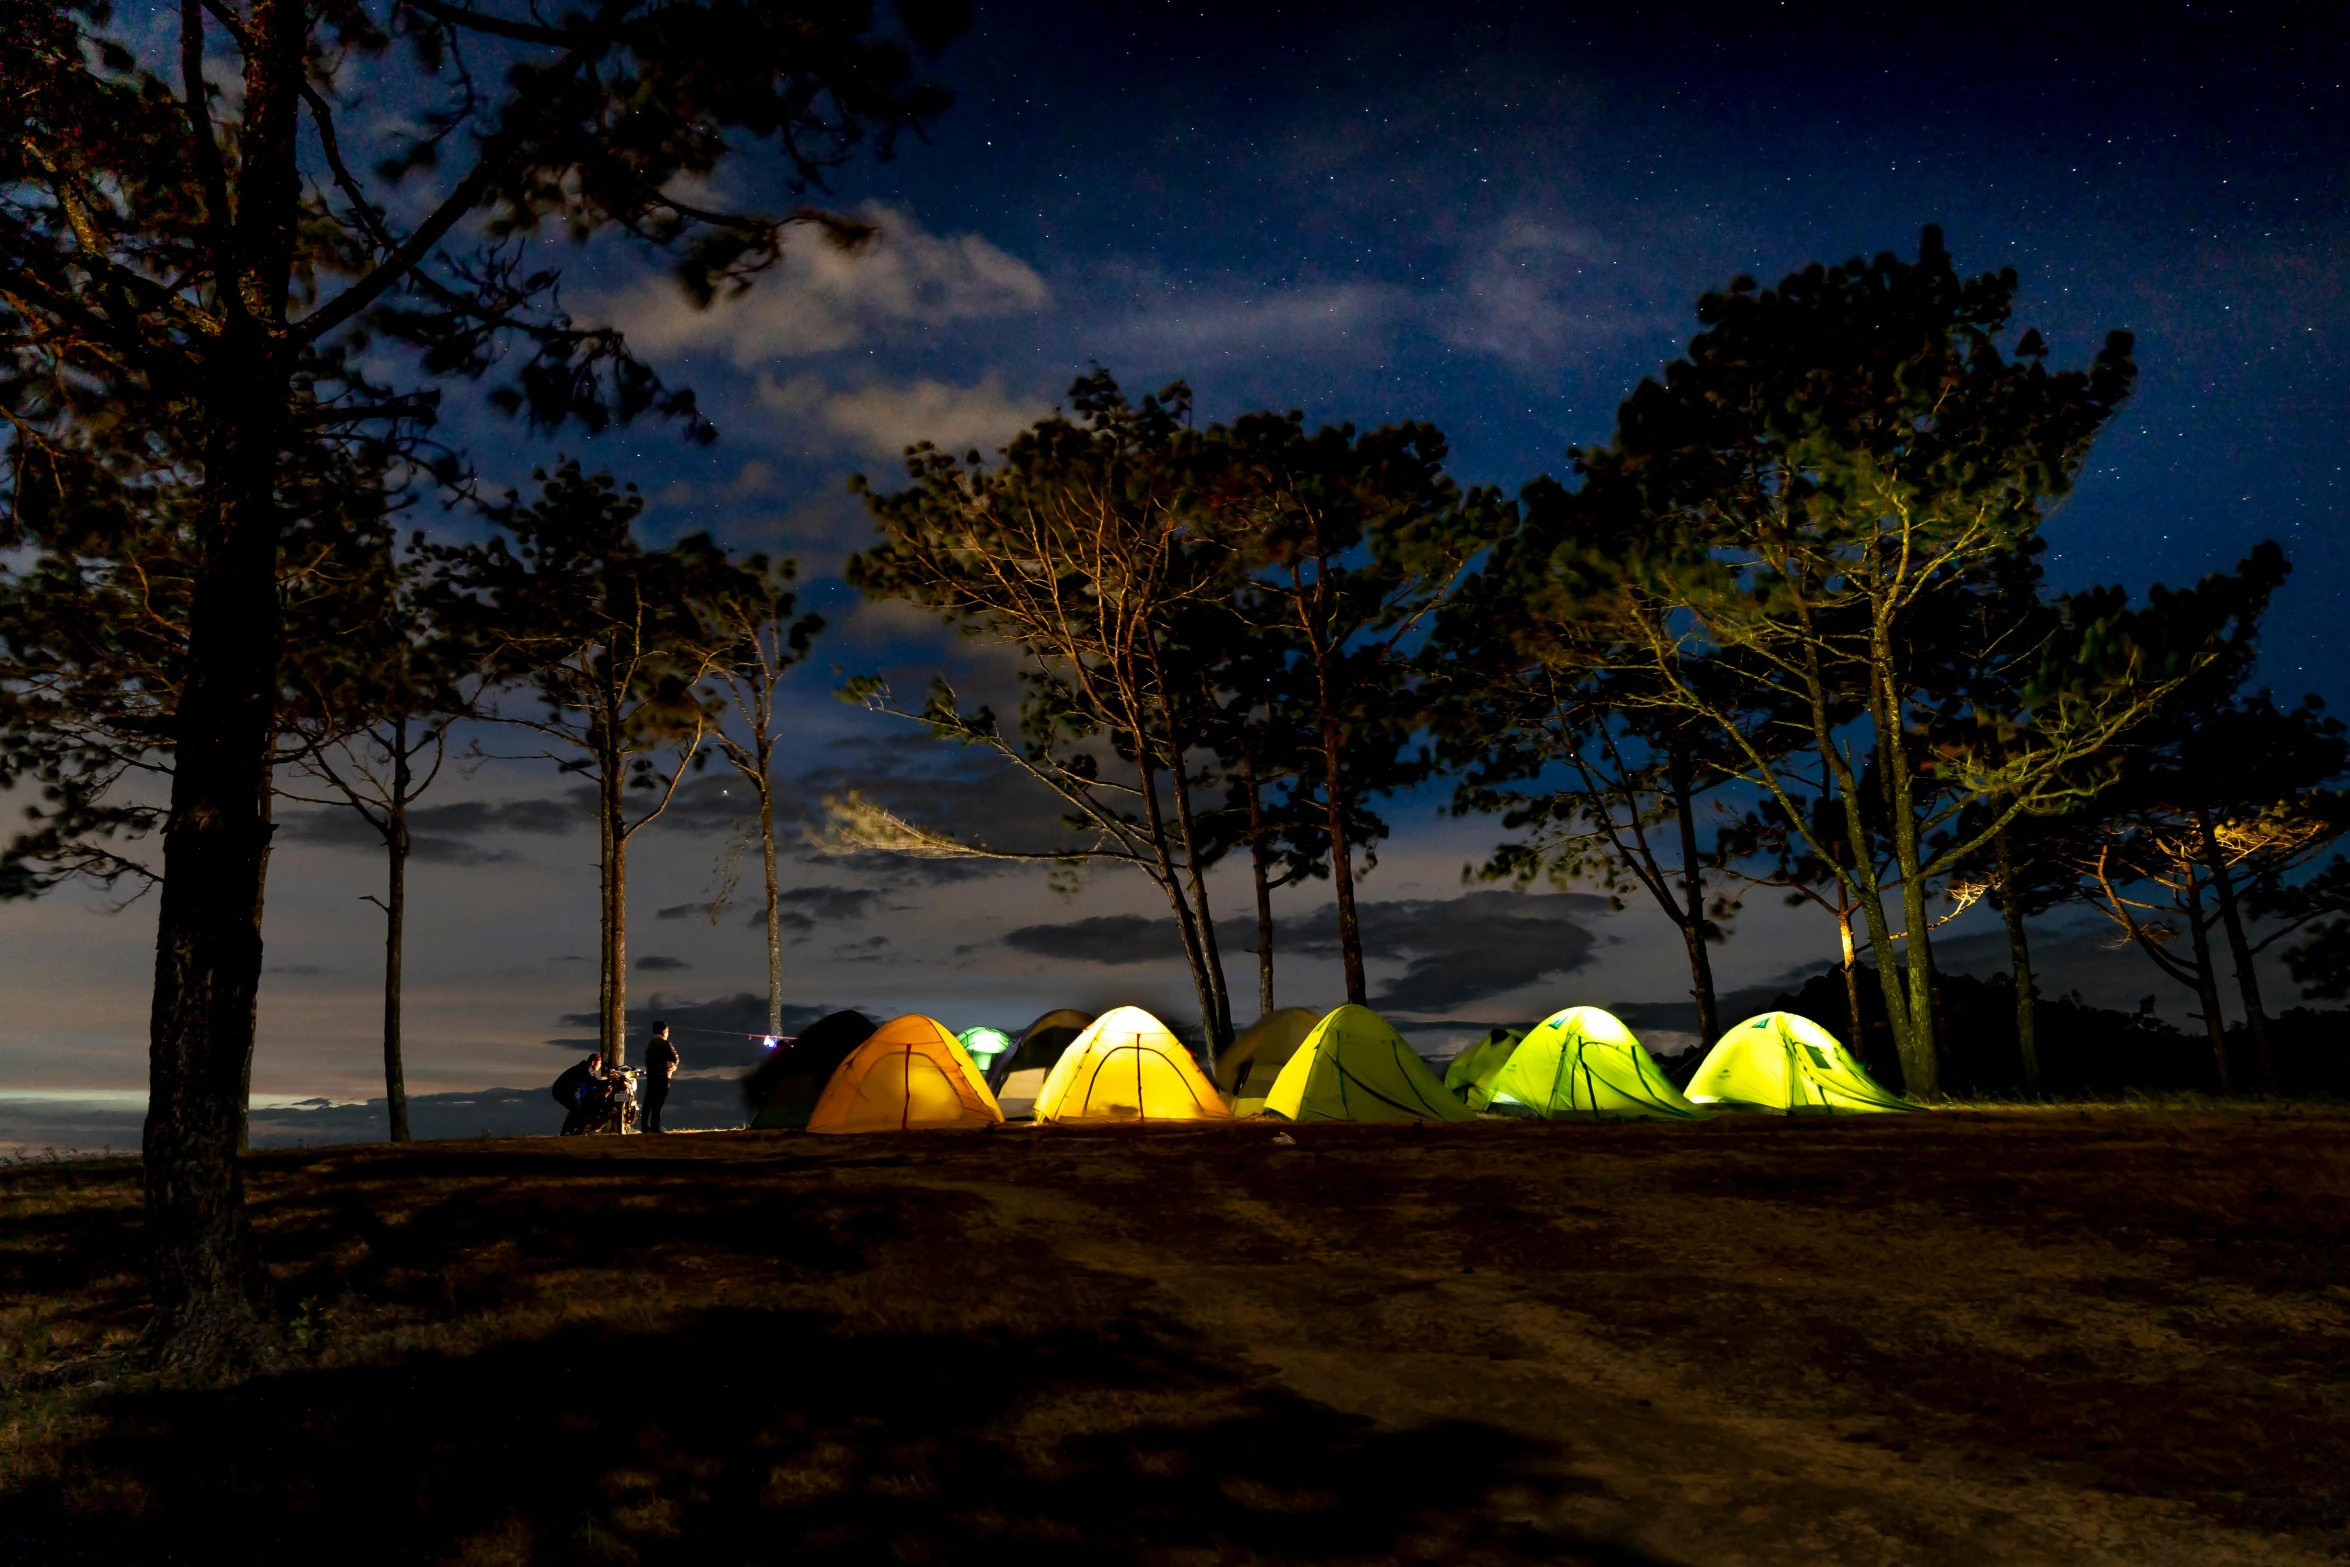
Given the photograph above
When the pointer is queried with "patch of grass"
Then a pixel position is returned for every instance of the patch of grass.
(1366, 1343)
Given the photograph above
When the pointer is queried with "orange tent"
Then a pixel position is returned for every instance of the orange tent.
(911, 1075)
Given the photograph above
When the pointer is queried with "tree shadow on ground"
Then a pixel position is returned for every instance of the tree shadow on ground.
(759, 1436)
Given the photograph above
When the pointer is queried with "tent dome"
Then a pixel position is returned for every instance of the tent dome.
(1354, 1066)
(1248, 1066)
(782, 1089)
(1040, 1045)
(1472, 1072)
(1126, 1066)
(1583, 1063)
(910, 1075)
(1788, 1064)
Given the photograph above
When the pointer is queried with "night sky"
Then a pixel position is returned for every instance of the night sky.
(1473, 215)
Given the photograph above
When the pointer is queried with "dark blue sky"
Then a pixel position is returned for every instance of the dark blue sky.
(1497, 220)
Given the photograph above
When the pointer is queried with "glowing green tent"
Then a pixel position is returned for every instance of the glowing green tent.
(1472, 1072)
(1584, 1064)
(1354, 1067)
(983, 1045)
(1789, 1064)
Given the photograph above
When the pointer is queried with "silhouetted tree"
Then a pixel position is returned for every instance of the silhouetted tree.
(374, 708)
(749, 625)
(1351, 545)
(1078, 551)
(2225, 803)
(209, 257)
(1833, 456)
(1531, 676)
(601, 633)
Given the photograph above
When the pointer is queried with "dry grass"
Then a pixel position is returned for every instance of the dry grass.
(2055, 1336)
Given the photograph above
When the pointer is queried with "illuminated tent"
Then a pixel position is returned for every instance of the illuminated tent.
(1249, 1064)
(1472, 1072)
(1126, 1066)
(1355, 1067)
(782, 1089)
(1041, 1044)
(1789, 1064)
(983, 1045)
(910, 1076)
(1584, 1064)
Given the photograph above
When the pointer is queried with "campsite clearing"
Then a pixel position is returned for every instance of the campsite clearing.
(2061, 1336)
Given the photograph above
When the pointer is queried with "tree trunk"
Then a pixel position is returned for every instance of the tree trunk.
(1872, 911)
(1913, 1023)
(2019, 954)
(1256, 856)
(1851, 975)
(2239, 948)
(1220, 1018)
(1342, 875)
(2215, 1019)
(612, 955)
(1171, 881)
(1693, 924)
(396, 846)
(774, 897)
(205, 1272)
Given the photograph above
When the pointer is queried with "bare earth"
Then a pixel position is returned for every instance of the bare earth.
(2051, 1337)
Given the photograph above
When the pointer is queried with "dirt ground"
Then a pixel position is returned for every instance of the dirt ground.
(2045, 1337)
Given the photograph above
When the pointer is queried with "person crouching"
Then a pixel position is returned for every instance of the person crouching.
(581, 1091)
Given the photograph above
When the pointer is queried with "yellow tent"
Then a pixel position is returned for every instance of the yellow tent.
(1355, 1067)
(911, 1075)
(1249, 1064)
(1127, 1067)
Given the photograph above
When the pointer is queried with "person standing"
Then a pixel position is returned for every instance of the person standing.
(660, 1062)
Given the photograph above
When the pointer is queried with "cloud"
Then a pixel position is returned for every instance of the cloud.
(1530, 290)
(1463, 949)
(820, 299)
(883, 419)
(655, 963)
(873, 949)
(830, 901)
(1454, 950)
(1317, 315)
(1102, 938)
(446, 833)
(679, 911)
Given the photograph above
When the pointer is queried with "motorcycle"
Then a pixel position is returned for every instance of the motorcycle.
(618, 1112)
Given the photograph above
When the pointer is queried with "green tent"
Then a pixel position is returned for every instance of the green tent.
(1472, 1072)
(1584, 1064)
(1788, 1064)
(983, 1045)
(1355, 1067)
